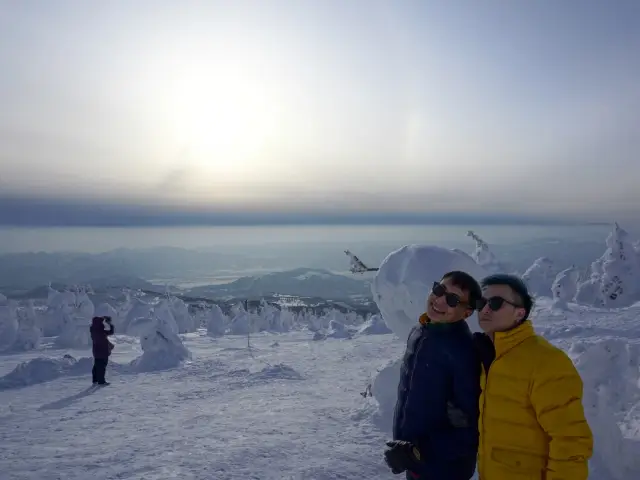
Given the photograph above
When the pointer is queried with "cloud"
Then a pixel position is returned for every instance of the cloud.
(33, 212)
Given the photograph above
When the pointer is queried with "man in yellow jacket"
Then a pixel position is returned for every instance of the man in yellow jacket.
(532, 423)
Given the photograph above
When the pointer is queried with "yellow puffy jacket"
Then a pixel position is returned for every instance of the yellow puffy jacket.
(532, 423)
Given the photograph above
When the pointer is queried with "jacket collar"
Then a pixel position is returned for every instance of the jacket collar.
(426, 321)
(505, 341)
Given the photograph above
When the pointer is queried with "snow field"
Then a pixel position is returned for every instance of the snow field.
(290, 411)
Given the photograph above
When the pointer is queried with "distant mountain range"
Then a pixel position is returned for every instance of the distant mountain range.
(301, 282)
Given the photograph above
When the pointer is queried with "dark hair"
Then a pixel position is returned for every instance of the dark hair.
(516, 284)
(466, 283)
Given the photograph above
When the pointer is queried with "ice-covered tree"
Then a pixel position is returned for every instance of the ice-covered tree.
(484, 256)
(565, 287)
(183, 318)
(29, 334)
(8, 325)
(84, 306)
(163, 312)
(137, 309)
(216, 322)
(161, 347)
(539, 277)
(614, 280)
(241, 320)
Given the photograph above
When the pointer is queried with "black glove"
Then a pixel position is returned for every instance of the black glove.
(401, 456)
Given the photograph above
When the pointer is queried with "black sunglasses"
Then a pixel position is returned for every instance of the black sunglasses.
(452, 299)
(495, 303)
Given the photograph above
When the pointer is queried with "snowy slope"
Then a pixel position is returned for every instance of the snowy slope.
(224, 415)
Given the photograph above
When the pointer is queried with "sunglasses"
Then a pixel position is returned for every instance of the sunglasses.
(452, 299)
(495, 303)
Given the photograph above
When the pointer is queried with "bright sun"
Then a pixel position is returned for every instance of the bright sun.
(221, 113)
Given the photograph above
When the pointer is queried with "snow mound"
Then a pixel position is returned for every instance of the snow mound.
(279, 371)
(374, 326)
(609, 370)
(385, 391)
(45, 369)
(336, 330)
(162, 349)
(403, 282)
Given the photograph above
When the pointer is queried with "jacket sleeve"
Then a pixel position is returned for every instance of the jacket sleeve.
(556, 396)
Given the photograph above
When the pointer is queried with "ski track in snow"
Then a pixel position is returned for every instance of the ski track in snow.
(225, 415)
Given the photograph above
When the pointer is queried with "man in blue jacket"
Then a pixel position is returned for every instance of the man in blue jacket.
(435, 425)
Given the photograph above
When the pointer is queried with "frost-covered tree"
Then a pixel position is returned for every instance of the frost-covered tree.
(163, 312)
(484, 256)
(183, 318)
(162, 348)
(83, 305)
(216, 322)
(565, 287)
(29, 335)
(8, 325)
(137, 309)
(241, 320)
(614, 280)
(539, 277)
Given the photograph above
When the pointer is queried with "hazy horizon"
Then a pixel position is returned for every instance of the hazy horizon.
(32, 257)
(176, 113)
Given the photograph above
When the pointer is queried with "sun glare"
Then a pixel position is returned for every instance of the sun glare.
(221, 117)
(219, 110)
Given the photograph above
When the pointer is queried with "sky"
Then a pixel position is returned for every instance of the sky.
(156, 111)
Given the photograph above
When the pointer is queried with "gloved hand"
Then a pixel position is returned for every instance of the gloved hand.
(401, 456)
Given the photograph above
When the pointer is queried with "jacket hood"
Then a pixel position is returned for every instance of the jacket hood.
(96, 322)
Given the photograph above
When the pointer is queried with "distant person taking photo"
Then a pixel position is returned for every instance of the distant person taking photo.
(101, 328)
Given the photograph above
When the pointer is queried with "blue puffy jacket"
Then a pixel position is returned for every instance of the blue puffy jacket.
(439, 380)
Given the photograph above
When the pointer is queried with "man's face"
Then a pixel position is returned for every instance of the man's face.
(504, 318)
(439, 310)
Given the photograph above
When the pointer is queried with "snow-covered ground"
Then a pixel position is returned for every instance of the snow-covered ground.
(288, 408)
(285, 410)
(312, 396)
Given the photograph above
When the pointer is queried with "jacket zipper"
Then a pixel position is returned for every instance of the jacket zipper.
(484, 410)
(413, 371)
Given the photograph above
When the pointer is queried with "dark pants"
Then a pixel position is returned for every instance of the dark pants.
(99, 369)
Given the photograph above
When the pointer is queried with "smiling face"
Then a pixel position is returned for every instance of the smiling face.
(508, 310)
(439, 311)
